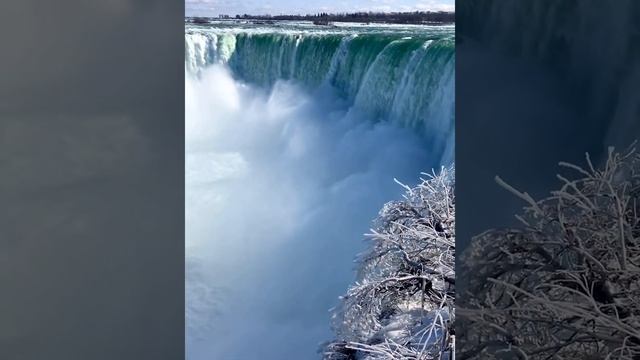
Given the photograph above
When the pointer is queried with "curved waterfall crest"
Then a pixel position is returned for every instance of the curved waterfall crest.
(293, 136)
(402, 77)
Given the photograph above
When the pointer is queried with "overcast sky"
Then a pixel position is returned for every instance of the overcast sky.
(232, 7)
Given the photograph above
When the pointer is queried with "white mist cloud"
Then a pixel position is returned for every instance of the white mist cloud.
(280, 188)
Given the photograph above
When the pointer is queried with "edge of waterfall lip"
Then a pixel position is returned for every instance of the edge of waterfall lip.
(423, 116)
(203, 41)
(403, 32)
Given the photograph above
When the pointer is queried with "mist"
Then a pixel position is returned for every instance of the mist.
(281, 185)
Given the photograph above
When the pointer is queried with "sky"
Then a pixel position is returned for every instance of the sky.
(274, 7)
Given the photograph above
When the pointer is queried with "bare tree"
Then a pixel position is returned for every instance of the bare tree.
(566, 285)
(402, 304)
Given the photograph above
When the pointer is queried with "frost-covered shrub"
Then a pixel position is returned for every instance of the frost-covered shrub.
(402, 304)
(566, 285)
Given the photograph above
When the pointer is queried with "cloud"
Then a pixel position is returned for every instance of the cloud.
(435, 5)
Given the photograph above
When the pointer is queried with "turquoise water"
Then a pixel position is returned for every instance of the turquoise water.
(402, 74)
(294, 134)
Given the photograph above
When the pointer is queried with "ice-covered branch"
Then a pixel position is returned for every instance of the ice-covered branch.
(567, 284)
(402, 305)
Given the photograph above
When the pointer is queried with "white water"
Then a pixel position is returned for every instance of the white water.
(402, 75)
(281, 183)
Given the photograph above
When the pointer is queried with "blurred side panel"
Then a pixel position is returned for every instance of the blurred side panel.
(92, 185)
(541, 82)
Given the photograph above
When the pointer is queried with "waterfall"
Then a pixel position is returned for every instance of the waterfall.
(293, 137)
(403, 78)
(592, 45)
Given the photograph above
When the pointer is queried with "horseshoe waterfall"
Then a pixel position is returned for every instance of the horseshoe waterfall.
(294, 136)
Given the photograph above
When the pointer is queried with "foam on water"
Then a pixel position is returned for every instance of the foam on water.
(364, 67)
(293, 139)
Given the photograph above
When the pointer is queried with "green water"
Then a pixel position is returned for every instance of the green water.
(403, 74)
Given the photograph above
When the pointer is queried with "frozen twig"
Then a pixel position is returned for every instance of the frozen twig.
(402, 305)
(567, 285)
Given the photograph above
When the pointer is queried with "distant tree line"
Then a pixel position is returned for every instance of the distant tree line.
(416, 17)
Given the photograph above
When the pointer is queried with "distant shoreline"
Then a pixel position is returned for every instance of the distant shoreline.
(324, 19)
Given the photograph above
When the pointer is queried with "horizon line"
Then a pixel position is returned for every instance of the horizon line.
(335, 13)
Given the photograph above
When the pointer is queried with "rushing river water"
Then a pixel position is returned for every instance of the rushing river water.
(294, 135)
